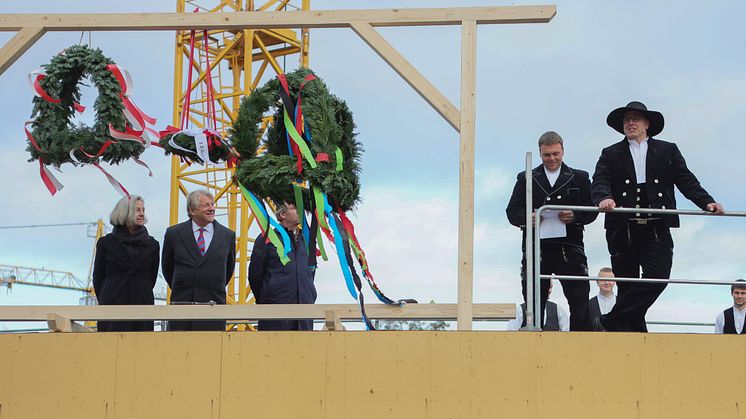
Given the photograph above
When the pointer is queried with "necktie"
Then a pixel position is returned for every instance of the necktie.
(201, 241)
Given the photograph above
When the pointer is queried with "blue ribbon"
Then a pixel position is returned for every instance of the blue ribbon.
(339, 245)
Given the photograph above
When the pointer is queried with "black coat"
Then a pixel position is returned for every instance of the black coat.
(194, 277)
(125, 274)
(572, 187)
(275, 283)
(191, 276)
(664, 167)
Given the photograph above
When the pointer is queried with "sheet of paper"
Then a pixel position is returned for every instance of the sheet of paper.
(551, 226)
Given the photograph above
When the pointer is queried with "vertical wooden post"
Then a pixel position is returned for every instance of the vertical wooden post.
(466, 174)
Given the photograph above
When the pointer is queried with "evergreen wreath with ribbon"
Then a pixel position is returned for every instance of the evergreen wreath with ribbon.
(120, 131)
(310, 158)
(312, 138)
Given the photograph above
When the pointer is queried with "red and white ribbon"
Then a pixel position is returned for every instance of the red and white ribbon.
(114, 183)
(138, 129)
(201, 142)
(35, 77)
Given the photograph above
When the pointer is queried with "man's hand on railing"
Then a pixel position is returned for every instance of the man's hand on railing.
(607, 204)
(716, 208)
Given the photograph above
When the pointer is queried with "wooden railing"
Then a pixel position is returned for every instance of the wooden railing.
(64, 318)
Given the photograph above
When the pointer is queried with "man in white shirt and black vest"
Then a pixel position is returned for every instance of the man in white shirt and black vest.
(556, 318)
(731, 320)
(605, 300)
(556, 183)
(640, 171)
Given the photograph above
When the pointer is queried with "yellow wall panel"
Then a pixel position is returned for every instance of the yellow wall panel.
(372, 375)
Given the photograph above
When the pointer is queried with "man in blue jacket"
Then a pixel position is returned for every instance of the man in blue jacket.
(292, 283)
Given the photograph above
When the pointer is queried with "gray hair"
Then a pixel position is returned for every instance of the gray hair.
(193, 199)
(550, 138)
(124, 213)
(280, 209)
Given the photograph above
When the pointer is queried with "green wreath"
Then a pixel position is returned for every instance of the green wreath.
(330, 125)
(52, 129)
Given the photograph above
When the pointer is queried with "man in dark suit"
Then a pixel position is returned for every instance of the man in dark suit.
(199, 256)
(556, 183)
(640, 172)
(292, 283)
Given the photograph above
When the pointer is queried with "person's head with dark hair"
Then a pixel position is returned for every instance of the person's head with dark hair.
(738, 292)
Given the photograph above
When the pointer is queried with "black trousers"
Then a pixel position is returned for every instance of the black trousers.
(634, 246)
(564, 260)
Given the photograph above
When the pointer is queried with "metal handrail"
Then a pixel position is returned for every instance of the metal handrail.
(651, 280)
(533, 305)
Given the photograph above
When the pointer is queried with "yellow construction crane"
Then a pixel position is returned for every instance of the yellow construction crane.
(238, 61)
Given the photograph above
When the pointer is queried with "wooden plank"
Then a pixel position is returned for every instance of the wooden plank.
(408, 72)
(18, 44)
(253, 312)
(466, 174)
(276, 19)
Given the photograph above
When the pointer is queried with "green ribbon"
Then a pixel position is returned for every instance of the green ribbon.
(320, 241)
(263, 219)
(340, 159)
(319, 199)
(298, 139)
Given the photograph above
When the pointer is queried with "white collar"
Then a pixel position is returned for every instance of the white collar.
(634, 143)
(208, 228)
(551, 172)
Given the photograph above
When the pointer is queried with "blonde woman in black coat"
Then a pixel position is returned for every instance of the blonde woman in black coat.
(126, 264)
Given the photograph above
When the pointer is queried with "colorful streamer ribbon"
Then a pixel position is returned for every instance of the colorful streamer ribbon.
(265, 221)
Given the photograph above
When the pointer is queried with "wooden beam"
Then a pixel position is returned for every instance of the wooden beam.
(276, 19)
(408, 72)
(466, 174)
(253, 312)
(57, 323)
(18, 44)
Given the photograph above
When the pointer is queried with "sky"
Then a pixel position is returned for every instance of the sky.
(678, 57)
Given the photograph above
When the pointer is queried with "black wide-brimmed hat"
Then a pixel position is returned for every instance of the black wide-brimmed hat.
(614, 119)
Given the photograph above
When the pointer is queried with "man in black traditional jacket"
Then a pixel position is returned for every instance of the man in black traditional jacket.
(640, 172)
(556, 183)
(292, 283)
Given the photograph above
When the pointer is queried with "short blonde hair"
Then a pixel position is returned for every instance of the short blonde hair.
(124, 212)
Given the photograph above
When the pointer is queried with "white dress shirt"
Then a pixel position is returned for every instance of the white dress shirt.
(552, 176)
(738, 317)
(639, 153)
(562, 317)
(606, 303)
(207, 234)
